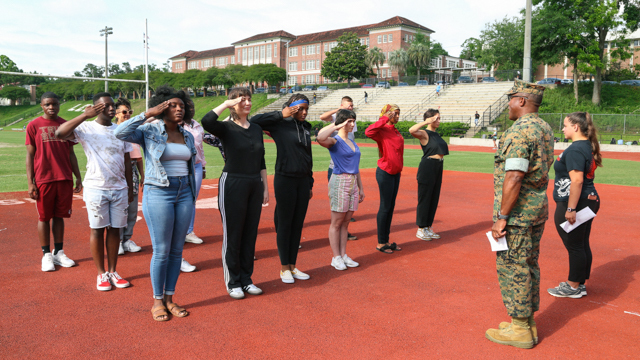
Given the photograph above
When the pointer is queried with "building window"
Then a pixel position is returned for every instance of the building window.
(233, 59)
(244, 54)
(250, 54)
(191, 65)
(317, 64)
(384, 73)
(293, 66)
(303, 50)
(384, 38)
(317, 79)
(262, 52)
(293, 51)
(275, 50)
(178, 65)
(256, 54)
(302, 64)
(326, 47)
(636, 43)
(292, 80)
(390, 37)
(451, 64)
(318, 49)
(379, 39)
(269, 51)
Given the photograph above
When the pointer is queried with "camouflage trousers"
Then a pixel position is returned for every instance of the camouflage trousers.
(518, 270)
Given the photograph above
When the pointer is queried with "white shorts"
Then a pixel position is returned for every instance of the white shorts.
(106, 208)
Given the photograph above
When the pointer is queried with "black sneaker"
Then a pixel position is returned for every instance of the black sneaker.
(583, 290)
(565, 290)
(351, 237)
(352, 220)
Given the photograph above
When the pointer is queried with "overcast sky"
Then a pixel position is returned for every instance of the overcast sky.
(61, 36)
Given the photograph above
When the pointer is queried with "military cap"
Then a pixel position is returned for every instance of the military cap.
(520, 86)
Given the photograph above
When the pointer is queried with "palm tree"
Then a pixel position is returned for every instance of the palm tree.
(398, 59)
(419, 55)
(375, 57)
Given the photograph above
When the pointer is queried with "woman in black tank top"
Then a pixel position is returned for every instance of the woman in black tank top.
(434, 149)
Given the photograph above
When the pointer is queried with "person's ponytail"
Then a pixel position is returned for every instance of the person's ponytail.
(592, 135)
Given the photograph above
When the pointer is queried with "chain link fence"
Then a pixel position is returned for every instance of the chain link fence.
(625, 127)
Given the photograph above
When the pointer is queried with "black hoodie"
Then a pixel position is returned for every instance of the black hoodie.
(293, 140)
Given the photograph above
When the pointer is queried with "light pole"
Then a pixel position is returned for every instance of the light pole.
(526, 72)
(106, 32)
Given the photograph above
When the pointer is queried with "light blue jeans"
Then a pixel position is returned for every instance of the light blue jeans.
(167, 211)
(198, 169)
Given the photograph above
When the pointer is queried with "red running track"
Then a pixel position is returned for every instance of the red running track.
(431, 300)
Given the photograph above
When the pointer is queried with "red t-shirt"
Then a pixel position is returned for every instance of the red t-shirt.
(51, 161)
(390, 145)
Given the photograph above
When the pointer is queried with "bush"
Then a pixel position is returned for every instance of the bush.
(445, 129)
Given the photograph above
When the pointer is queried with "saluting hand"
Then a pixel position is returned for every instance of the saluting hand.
(157, 110)
(232, 102)
(93, 110)
(289, 111)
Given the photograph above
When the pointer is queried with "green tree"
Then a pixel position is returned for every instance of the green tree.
(14, 93)
(471, 49)
(419, 55)
(503, 44)
(91, 70)
(7, 64)
(399, 60)
(375, 58)
(347, 61)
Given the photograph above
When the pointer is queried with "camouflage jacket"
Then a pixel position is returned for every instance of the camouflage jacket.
(526, 146)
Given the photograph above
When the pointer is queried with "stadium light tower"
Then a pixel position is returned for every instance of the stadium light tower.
(106, 32)
(526, 72)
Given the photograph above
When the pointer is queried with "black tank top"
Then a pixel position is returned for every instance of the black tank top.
(435, 146)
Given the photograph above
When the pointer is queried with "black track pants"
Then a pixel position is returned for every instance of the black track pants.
(292, 197)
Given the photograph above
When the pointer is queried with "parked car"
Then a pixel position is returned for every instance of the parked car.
(259, 90)
(367, 86)
(403, 84)
(191, 94)
(310, 88)
(489, 79)
(200, 93)
(383, 84)
(283, 90)
(610, 82)
(567, 81)
(296, 88)
(323, 88)
(422, 83)
(465, 80)
(550, 81)
(440, 82)
(630, 82)
(273, 89)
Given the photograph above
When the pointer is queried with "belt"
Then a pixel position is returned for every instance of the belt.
(436, 159)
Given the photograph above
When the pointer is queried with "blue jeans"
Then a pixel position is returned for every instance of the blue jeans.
(167, 211)
(198, 169)
(132, 216)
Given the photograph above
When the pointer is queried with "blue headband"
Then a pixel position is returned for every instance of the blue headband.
(298, 102)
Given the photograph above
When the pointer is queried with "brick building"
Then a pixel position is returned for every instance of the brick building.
(303, 55)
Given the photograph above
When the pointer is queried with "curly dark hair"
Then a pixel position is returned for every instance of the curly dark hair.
(294, 98)
(123, 102)
(166, 92)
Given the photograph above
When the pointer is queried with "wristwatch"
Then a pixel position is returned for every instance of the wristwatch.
(570, 209)
(502, 217)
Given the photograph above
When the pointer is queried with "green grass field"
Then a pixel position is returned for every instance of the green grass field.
(13, 176)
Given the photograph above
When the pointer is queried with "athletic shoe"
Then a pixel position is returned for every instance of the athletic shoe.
(252, 289)
(351, 237)
(193, 238)
(565, 290)
(118, 281)
(120, 249)
(423, 234)
(61, 259)
(286, 277)
(583, 290)
(103, 282)
(297, 274)
(338, 263)
(130, 246)
(186, 267)
(433, 234)
(352, 220)
(349, 261)
(236, 293)
(47, 262)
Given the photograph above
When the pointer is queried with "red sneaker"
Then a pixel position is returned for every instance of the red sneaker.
(118, 281)
(103, 282)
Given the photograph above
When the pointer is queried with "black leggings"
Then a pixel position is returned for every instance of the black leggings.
(429, 192)
(388, 186)
(292, 201)
(240, 203)
(577, 241)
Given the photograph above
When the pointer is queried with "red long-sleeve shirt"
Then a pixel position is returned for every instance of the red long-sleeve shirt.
(390, 145)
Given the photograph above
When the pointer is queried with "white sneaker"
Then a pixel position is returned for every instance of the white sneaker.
(103, 282)
(349, 261)
(61, 259)
(433, 234)
(297, 274)
(186, 267)
(252, 289)
(120, 249)
(286, 277)
(47, 262)
(236, 293)
(193, 238)
(423, 234)
(130, 246)
(118, 281)
(338, 263)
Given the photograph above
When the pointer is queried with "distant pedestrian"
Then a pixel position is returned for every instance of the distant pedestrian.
(438, 90)
(477, 118)
(495, 137)
(366, 98)
(314, 98)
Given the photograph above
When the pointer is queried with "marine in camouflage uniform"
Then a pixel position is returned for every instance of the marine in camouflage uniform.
(526, 147)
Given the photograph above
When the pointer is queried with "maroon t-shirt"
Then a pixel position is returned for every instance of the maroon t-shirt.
(51, 161)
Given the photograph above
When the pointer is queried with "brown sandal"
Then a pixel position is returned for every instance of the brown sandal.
(177, 310)
(159, 311)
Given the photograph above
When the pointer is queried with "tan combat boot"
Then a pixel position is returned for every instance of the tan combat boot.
(532, 325)
(518, 334)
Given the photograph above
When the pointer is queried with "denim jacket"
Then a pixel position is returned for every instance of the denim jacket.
(153, 139)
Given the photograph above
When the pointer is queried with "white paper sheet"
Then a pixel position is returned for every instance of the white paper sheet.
(499, 245)
(582, 217)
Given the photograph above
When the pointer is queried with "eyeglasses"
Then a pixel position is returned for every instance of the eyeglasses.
(126, 112)
(516, 96)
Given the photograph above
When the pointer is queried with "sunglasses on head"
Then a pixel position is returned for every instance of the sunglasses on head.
(126, 112)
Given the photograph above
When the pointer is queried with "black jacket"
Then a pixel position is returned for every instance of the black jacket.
(293, 140)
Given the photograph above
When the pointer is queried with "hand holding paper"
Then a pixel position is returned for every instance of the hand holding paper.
(499, 245)
(582, 216)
